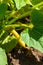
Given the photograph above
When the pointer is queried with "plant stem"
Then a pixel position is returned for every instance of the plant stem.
(18, 38)
(11, 14)
(37, 5)
(20, 25)
(19, 17)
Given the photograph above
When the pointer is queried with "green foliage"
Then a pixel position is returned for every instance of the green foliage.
(3, 9)
(39, 18)
(35, 1)
(31, 41)
(10, 44)
(12, 16)
(3, 58)
(25, 36)
(35, 35)
(20, 3)
(7, 42)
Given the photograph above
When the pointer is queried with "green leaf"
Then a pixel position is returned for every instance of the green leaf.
(31, 41)
(10, 44)
(35, 40)
(7, 42)
(36, 33)
(3, 58)
(35, 1)
(21, 3)
(37, 20)
(41, 41)
(35, 44)
(3, 9)
(25, 36)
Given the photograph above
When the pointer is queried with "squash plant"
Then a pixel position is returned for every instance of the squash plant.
(12, 13)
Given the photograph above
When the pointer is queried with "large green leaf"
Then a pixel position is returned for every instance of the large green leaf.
(37, 32)
(3, 58)
(7, 42)
(36, 39)
(37, 20)
(30, 41)
(35, 44)
(3, 9)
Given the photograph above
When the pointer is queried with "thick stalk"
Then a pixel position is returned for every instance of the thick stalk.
(18, 38)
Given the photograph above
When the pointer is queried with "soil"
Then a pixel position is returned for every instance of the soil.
(21, 56)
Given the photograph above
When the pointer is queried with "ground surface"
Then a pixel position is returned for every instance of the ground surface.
(21, 56)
